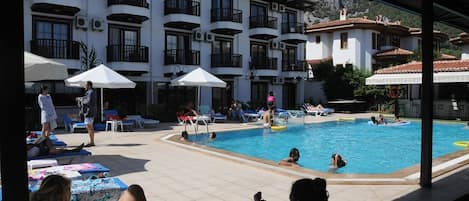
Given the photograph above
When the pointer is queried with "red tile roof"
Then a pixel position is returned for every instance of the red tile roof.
(351, 22)
(394, 52)
(438, 66)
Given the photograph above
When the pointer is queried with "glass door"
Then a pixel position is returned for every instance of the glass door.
(258, 54)
(289, 56)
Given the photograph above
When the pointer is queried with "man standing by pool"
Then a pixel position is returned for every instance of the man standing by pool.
(88, 110)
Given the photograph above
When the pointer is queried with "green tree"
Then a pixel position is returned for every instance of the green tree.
(88, 58)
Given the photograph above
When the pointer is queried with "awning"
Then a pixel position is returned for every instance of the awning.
(416, 78)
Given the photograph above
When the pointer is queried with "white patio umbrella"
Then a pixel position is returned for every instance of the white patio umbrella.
(198, 78)
(102, 77)
(37, 68)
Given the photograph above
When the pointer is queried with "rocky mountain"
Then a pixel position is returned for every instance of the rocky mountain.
(326, 10)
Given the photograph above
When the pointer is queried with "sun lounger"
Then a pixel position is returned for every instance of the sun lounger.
(71, 125)
(309, 109)
(66, 155)
(141, 122)
(84, 170)
(42, 163)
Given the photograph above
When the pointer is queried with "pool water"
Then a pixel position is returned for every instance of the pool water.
(367, 149)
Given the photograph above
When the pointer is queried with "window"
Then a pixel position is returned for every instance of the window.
(343, 40)
(121, 35)
(349, 66)
(374, 41)
(318, 39)
(436, 45)
(222, 46)
(258, 53)
(258, 10)
(51, 38)
(258, 94)
(123, 42)
(339, 66)
(419, 43)
(228, 4)
(289, 55)
(395, 41)
(175, 40)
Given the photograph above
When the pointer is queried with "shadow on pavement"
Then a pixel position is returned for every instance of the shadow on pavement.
(450, 188)
(118, 164)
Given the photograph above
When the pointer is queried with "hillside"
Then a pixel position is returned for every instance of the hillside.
(329, 10)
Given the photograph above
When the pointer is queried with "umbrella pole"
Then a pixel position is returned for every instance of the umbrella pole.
(102, 105)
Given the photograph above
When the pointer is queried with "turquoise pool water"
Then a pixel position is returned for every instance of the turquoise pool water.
(367, 149)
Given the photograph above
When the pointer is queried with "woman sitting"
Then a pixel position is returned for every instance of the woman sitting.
(53, 188)
(292, 159)
(314, 108)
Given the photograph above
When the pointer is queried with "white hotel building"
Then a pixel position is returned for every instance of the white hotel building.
(255, 46)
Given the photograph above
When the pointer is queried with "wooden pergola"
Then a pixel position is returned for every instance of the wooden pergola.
(453, 13)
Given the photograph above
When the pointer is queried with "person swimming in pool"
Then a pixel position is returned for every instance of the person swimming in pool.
(293, 158)
(381, 119)
(336, 162)
(373, 120)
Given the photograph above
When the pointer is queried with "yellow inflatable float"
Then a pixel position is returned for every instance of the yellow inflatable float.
(462, 143)
(278, 128)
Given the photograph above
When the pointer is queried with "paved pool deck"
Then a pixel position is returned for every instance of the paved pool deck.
(169, 172)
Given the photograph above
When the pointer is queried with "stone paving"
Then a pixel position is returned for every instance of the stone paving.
(172, 173)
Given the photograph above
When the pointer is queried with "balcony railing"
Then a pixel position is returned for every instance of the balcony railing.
(292, 27)
(181, 56)
(138, 3)
(226, 60)
(265, 63)
(226, 14)
(299, 66)
(127, 53)
(59, 49)
(262, 21)
(182, 7)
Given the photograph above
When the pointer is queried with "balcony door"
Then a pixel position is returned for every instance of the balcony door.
(289, 17)
(223, 50)
(178, 48)
(259, 94)
(289, 56)
(225, 4)
(51, 38)
(123, 41)
(258, 10)
(258, 53)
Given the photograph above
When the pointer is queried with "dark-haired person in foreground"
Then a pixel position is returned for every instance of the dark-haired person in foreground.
(133, 193)
(53, 188)
(309, 189)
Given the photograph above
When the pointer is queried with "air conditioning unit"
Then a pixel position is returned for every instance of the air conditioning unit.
(97, 24)
(282, 45)
(81, 22)
(278, 81)
(274, 6)
(274, 44)
(197, 35)
(209, 37)
(281, 8)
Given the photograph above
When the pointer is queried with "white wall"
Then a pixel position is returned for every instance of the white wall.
(465, 51)
(152, 35)
(320, 50)
(359, 52)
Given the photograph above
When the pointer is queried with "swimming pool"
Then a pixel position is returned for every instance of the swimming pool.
(367, 149)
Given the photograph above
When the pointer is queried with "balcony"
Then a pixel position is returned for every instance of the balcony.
(265, 66)
(57, 49)
(58, 7)
(293, 32)
(181, 57)
(294, 68)
(227, 64)
(182, 14)
(263, 27)
(226, 21)
(133, 11)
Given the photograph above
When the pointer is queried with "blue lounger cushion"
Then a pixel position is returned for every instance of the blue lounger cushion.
(65, 154)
